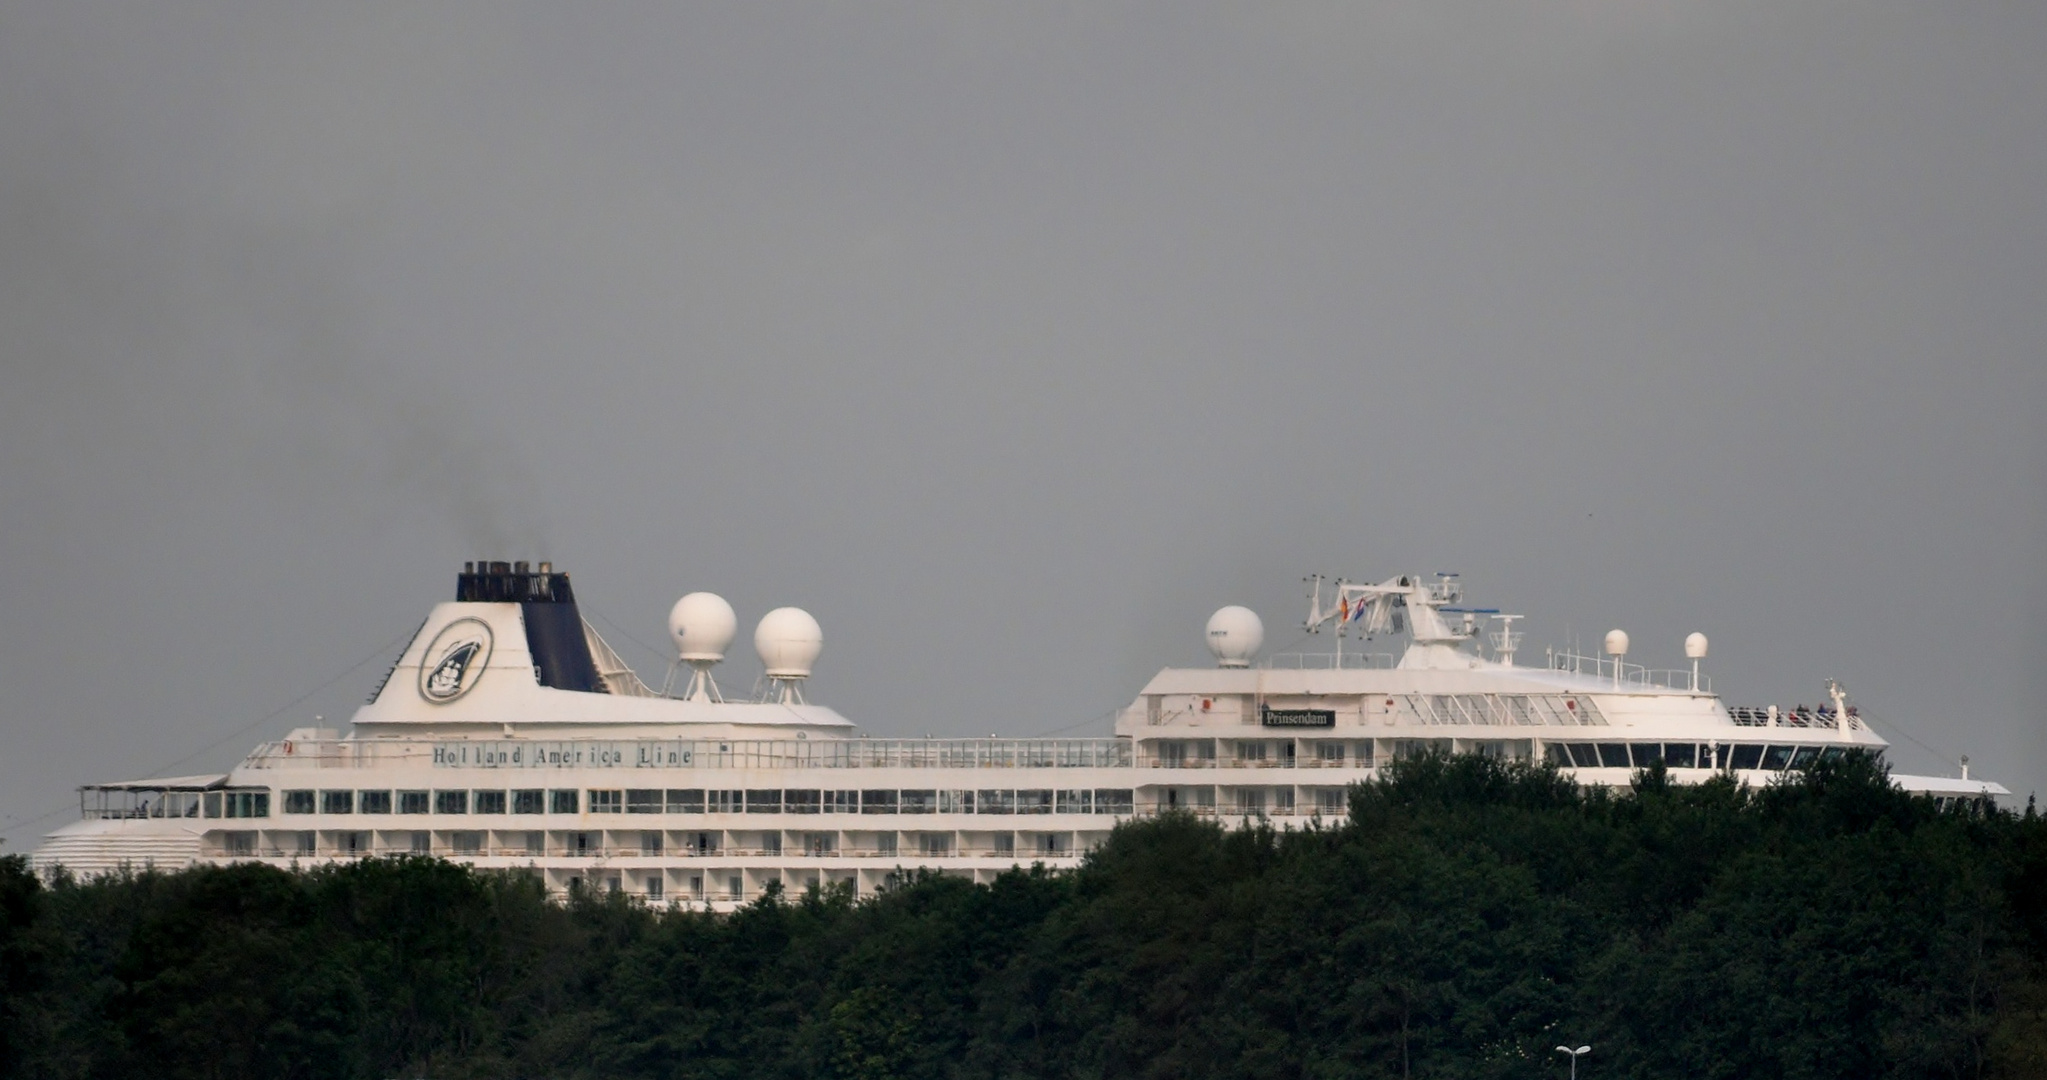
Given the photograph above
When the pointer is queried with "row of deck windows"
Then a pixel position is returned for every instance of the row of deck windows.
(701, 801)
(1689, 755)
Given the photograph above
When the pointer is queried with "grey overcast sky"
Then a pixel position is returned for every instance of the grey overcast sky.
(1011, 340)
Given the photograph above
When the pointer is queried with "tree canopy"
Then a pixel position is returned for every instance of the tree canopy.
(1467, 918)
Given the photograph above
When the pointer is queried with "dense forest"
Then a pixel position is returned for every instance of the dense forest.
(1469, 917)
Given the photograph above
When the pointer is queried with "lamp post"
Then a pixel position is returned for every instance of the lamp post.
(1574, 1057)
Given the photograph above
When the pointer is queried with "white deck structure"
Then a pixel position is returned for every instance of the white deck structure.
(508, 735)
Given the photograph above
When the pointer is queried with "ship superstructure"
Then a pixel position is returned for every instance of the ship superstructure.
(509, 735)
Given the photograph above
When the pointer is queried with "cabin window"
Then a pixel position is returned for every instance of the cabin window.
(1329, 753)
(1252, 752)
(724, 802)
(645, 801)
(490, 802)
(536, 843)
(1076, 802)
(337, 802)
(919, 802)
(1172, 755)
(885, 844)
(607, 802)
(771, 843)
(583, 843)
(800, 802)
(529, 801)
(702, 843)
(352, 843)
(937, 843)
(468, 843)
(1251, 801)
(685, 800)
(1005, 843)
(1052, 844)
(1747, 757)
(763, 802)
(375, 802)
(841, 802)
(734, 889)
(451, 802)
(654, 889)
(818, 843)
(238, 843)
(878, 802)
(248, 804)
(562, 802)
(1330, 801)
(997, 801)
(1114, 800)
(298, 802)
(1037, 801)
(412, 802)
(308, 843)
(422, 843)
(696, 886)
(650, 843)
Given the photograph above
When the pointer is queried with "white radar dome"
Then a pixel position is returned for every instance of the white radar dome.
(702, 625)
(1695, 646)
(1234, 636)
(788, 640)
(1617, 643)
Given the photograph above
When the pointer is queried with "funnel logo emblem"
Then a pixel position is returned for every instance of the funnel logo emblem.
(454, 662)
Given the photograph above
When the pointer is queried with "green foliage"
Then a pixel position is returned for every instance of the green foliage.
(1467, 918)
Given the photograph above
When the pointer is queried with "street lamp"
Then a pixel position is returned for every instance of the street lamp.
(1574, 1057)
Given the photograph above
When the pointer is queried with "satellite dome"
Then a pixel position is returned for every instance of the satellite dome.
(1234, 635)
(788, 641)
(1617, 643)
(1695, 645)
(702, 625)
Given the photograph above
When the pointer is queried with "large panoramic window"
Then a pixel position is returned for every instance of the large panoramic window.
(764, 802)
(412, 802)
(451, 802)
(248, 804)
(1034, 801)
(645, 801)
(841, 802)
(298, 802)
(919, 802)
(376, 802)
(563, 802)
(337, 802)
(529, 801)
(685, 800)
(878, 802)
(1076, 802)
(800, 802)
(1118, 800)
(995, 801)
(606, 802)
(490, 802)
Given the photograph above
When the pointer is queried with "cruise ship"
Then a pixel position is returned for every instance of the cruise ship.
(509, 735)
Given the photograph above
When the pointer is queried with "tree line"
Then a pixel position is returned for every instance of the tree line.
(1468, 917)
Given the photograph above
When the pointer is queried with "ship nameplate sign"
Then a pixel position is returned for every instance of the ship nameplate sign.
(1271, 717)
(539, 754)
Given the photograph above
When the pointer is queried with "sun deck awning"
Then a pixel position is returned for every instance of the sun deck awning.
(206, 782)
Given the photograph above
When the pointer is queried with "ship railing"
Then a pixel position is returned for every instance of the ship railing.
(1795, 717)
(1632, 675)
(1329, 661)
